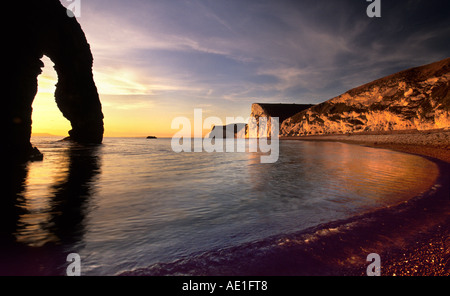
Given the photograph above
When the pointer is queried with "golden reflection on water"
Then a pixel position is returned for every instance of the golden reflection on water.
(384, 176)
(51, 201)
(52, 197)
(351, 174)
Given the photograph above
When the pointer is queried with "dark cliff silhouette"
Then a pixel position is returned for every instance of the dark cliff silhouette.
(34, 29)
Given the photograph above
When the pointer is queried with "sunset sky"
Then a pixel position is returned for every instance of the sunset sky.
(155, 60)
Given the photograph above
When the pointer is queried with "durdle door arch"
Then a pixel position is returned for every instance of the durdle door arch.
(38, 28)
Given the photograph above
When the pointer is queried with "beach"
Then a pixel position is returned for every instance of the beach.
(423, 223)
(430, 143)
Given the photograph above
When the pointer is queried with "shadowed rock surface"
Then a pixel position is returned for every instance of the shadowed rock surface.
(227, 131)
(282, 111)
(38, 28)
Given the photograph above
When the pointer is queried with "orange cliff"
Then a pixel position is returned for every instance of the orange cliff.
(417, 98)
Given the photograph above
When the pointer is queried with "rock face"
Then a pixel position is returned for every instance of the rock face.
(282, 111)
(418, 98)
(38, 28)
(227, 131)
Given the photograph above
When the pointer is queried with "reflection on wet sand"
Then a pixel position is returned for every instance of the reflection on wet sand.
(351, 174)
(37, 224)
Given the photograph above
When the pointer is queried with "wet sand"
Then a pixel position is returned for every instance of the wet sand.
(432, 143)
(425, 250)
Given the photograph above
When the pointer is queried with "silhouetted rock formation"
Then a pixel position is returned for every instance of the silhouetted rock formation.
(418, 98)
(37, 28)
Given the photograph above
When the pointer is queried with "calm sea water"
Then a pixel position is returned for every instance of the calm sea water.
(133, 202)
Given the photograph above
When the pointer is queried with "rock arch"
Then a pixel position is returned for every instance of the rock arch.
(38, 28)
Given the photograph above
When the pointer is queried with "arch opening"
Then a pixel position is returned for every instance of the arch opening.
(47, 119)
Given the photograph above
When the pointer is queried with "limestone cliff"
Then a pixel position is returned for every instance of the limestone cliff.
(34, 29)
(418, 98)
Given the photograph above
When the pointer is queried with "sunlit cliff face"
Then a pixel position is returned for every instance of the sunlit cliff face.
(412, 100)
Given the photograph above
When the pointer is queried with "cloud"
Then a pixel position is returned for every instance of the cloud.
(260, 50)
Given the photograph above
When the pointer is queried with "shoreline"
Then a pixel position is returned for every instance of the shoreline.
(432, 143)
(426, 252)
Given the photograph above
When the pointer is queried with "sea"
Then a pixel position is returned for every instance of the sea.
(133, 205)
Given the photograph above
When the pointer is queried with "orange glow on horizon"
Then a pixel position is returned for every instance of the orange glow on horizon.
(129, 106)
(136, 119)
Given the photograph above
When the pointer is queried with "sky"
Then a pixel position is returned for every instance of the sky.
(155, 60)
